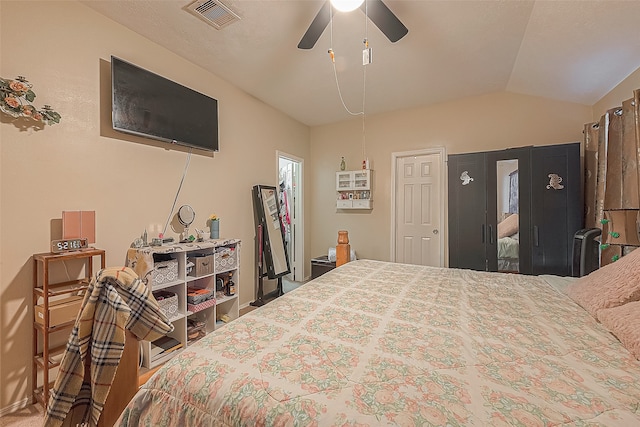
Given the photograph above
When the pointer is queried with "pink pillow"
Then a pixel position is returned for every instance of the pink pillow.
(613, 285)
(624, 323)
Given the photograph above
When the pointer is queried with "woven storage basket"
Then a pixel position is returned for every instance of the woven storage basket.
(225, 260)
(164, 272)
(168, 302)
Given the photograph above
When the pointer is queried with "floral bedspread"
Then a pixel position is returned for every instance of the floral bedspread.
(373, 343)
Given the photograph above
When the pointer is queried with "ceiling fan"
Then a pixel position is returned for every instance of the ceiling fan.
(377, 12)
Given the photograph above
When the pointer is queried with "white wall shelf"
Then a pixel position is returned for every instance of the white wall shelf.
(354, 189)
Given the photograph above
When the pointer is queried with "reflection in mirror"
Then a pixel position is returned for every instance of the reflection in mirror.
(508, 218)
(274, 232)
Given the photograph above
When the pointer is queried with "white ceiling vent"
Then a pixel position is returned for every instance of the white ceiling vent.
(213, 13)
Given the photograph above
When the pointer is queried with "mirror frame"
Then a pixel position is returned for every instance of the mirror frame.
(267, 213)
(525, 247)
(186, 210)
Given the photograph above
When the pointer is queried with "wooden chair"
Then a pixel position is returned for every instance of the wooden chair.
(125, 383)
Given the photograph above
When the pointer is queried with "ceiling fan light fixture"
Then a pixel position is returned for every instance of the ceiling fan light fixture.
(346, 5)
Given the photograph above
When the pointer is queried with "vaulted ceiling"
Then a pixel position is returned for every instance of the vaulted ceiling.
(574, 50)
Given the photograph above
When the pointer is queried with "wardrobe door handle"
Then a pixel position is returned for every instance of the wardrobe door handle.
(536, 237)
(490, 234)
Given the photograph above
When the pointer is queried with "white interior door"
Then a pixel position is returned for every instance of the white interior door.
(419, 208)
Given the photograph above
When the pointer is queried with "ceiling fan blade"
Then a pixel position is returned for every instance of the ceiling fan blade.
(384, 19)
(316, 28)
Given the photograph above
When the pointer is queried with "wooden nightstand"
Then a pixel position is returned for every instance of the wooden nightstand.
(321, 265)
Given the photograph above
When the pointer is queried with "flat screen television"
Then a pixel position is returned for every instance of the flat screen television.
(146, 104)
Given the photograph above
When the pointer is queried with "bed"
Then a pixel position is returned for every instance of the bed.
(508, 253)
(374, 343)
(509, 243)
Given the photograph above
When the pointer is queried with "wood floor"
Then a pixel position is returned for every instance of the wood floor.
(247, 309)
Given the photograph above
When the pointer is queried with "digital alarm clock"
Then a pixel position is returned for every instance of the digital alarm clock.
(68, 245)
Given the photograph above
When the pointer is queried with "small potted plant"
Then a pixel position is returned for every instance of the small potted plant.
(214, 226)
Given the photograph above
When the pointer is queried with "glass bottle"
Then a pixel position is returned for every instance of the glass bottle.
(343, 165)
(231, 288)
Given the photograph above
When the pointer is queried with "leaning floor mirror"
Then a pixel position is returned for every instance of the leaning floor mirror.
(267, 214)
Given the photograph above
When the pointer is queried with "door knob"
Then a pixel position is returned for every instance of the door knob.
(435, 231)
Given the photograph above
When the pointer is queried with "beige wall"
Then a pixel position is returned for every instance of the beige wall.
(479, 123)
(623, 91)
(63, 49)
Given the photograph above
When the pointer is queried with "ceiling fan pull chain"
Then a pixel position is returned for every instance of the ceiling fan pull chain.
(332, 55)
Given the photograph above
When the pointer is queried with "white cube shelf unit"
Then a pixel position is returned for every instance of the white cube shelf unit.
(200, 265)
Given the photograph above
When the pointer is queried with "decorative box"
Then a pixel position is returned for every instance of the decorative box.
(203, 265)
(61, 311)
(164, 272)
(197, 295)
(226, 259)
(196, 329)
(193, 336)
(194, 308)
(168, 302)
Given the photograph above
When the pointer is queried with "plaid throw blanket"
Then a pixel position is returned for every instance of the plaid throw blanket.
(116, 299)
(141, 261)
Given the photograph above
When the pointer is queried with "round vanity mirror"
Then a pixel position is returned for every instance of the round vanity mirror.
(186, 215)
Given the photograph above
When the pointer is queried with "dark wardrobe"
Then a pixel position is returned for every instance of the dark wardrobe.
(515, 210)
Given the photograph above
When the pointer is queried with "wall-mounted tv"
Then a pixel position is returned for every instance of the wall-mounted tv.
(146, 104)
